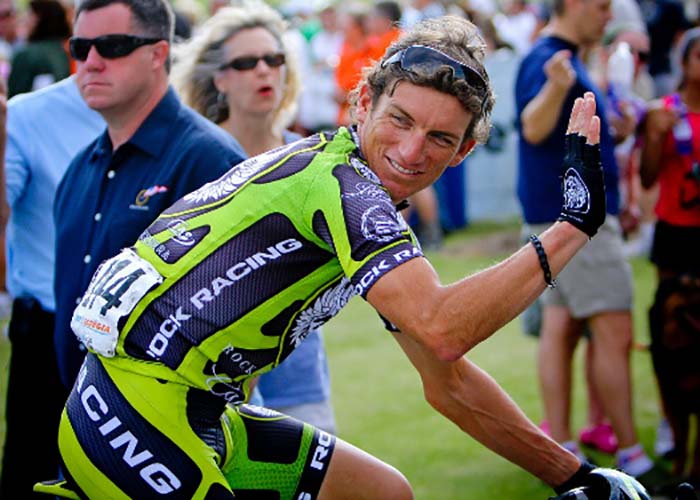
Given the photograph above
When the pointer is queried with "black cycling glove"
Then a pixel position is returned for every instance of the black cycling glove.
(582, 185)
(601, 484)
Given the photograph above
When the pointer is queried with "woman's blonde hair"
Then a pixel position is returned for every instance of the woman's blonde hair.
(197, 61)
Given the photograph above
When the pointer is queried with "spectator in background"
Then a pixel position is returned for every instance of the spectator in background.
(671, 160)
(417, 10)
(383, 27)
(596, 287)
(45, 129)
(153, 151)
(9, 36)
(517, 25)
(636, 213)
(666, 21)
(318, 107)
(354, 56)
(239, 73)
(43, 60)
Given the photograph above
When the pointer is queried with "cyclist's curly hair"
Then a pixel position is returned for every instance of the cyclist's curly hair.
(197, 61)
(455, 37)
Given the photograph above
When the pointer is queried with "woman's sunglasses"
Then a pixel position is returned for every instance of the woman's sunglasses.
(108, 46)
(428, 59)
(246, 63)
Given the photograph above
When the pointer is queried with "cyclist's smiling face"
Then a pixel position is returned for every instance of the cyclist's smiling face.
(410, 137)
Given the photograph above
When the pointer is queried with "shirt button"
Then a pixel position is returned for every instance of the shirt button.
(87, 259)
(81, 346)
(77, 301)
(111, 174)
(98, 217)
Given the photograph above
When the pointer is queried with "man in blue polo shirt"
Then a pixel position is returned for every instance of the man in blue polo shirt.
(153, 152)
(595, 289)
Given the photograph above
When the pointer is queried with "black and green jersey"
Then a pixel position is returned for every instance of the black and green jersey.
(255, 260)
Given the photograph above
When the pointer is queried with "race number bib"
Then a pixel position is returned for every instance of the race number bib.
(118, 284)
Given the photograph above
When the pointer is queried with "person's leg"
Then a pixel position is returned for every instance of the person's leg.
(356, 475)
(598, 432)
(612, 341)
(271, 453)
(558, 338)
(35, 399)
(595, 415)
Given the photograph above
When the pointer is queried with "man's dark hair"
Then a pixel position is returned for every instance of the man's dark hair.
(390, 10)
(154, 18)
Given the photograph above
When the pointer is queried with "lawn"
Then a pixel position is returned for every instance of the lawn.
(379, 401)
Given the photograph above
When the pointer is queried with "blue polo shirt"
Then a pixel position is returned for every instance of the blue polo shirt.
(540, 165)
(107, 198)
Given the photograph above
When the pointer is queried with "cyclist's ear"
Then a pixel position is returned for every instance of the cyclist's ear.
(464, 149)
(363, 106)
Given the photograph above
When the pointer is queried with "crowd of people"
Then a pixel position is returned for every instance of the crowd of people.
(309, 147)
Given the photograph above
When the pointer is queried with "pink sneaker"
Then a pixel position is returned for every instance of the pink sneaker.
(600, 437)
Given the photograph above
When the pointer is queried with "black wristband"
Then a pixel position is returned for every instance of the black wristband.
(575, 480)
(544, 263)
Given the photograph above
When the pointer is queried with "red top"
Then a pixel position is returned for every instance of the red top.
(679, 185)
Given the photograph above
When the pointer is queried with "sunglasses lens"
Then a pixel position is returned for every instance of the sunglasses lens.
(274, 60)
(244, 63)
(108, 46)
(249, 62)
(79, 48)
(430, 60)
(116, 46)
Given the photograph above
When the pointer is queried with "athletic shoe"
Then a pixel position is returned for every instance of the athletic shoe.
(664, 444)
(599, 437)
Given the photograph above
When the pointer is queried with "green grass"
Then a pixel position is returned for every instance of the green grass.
(380, 406)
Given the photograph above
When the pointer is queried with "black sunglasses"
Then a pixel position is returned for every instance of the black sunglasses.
(429, 59)
(108, 46)
(246, 63)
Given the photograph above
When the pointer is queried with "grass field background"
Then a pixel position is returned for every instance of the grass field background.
(379, 402)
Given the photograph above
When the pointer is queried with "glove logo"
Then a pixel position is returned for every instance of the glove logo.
(577, 198)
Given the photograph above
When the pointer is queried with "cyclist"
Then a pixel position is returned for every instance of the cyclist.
(229, 280)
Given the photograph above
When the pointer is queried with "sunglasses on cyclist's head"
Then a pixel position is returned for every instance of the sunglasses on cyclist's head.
(246, 63)
(108, 46)
(427, 59)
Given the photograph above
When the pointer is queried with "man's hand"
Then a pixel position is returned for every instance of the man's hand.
(559, 71)
(582, 184)
(602, 484)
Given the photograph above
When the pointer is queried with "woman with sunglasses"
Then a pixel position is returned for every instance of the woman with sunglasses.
(239, 73)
